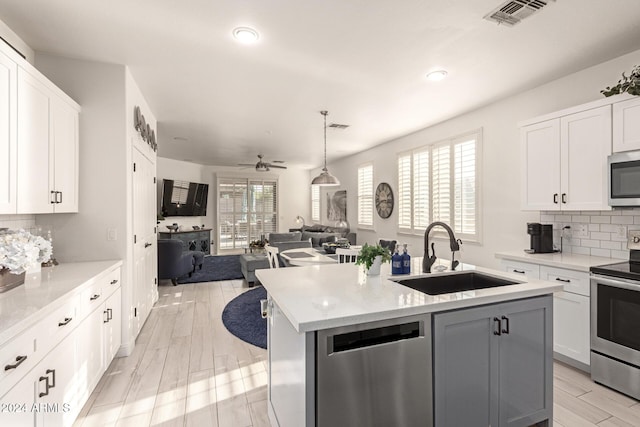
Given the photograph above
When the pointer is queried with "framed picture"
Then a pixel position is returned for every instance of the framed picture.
(337, 205)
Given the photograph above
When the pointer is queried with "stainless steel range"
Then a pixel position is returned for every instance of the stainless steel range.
(615, 325)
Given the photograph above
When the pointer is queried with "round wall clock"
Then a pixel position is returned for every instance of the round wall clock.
(384, 200)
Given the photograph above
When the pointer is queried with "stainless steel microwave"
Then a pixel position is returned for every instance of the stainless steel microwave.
(624, 178)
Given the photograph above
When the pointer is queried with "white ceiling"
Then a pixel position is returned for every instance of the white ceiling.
(363, 60)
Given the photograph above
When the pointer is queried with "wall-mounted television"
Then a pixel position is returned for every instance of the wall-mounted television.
(183, 198)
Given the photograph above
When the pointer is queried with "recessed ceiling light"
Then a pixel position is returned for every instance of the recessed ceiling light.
(246, 35)
(437, 75)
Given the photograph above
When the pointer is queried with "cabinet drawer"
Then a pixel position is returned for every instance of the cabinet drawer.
(532, 271)
(52, 329)
(91, 298)
(21, 352)
(112, 282)
(576, 282)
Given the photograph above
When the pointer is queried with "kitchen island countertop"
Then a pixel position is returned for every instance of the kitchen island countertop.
(327, 296)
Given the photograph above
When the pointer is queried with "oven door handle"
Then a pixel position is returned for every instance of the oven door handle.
(618, 283)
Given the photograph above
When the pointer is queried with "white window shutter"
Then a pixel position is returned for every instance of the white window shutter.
(465, 187)
(404, 191)
(441, 184)
(315, 203)
(365, 195)
(421, 204)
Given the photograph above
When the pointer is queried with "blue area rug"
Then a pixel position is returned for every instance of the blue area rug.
(218, 267)
(242, 317)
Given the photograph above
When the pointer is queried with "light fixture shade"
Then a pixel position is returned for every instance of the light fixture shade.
(325, 179)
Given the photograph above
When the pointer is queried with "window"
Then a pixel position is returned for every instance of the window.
(315, 203)
(440, 183)
(247, 210)
(365, 195)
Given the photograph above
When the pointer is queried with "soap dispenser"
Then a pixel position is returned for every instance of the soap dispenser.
(396, 261)
(406, 261)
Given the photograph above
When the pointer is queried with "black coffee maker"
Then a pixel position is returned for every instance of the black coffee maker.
(541, 238)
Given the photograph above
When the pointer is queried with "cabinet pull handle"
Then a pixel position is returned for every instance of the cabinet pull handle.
(555, 198)
(19, 360)
(95, 297)
(66, 321)
(146, 245)
(109, 314)
(499, 331)
(46, 386)
(519, 271)
(563, 280)
(105, 321)
(53, 198)
(506, 321)
(53, 382)
(58, 193)
(564, 198)
(114, 281)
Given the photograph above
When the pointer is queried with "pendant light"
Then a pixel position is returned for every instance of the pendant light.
(325, 179)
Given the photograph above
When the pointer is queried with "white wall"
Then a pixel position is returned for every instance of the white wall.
(503, 223)
(293, 184)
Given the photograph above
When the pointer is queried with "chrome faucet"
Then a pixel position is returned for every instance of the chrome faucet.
(429, 260)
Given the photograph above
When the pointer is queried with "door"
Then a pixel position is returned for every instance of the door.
(465, 361)
(145, 241)
(35, 172)
(626, 125)
(540, 151)
(586, 143)
(8, 134)
(525, 376)
(64, 136)
(571, 326)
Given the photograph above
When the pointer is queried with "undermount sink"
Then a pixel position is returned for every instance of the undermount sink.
(448, 283)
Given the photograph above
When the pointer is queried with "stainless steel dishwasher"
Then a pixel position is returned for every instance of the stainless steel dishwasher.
(375, 374)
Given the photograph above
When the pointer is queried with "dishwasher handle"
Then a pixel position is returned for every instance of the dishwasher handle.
(360, 340)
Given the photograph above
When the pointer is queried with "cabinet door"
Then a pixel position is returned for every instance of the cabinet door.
(540, 151)
(17, 404)
(465, 366)
(586, 143)
(530, 271)
(571, 320)
(34, 156)
(525, 373)
(90, 363)
(112, 327)
(626, 125)
(8, 134)
(60, 401)
(64, 135)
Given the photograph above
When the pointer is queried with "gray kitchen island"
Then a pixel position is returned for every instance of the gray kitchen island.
(469, 347)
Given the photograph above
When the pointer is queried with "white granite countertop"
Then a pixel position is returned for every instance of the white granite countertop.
(326, 296)
(559, 260)
(24, 305)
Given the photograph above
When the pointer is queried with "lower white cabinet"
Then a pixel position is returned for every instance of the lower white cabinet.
(571, 309)
(53, 391)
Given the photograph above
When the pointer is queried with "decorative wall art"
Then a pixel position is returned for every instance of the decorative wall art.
(337, 206)
(148, 135)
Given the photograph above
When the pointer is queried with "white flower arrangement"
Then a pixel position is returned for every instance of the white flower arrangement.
(21, 250)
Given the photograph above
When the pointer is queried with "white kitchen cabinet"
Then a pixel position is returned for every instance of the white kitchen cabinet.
(47, 124)
(8, 135)
(67, 351)
(531, 271)
(626, 125)
(564, 161)
(571, 313)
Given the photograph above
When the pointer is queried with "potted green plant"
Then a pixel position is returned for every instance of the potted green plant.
(630, 84)
(372, 257)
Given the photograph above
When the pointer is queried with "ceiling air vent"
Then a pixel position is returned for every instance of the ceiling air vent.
(514, 11)
(337, 126)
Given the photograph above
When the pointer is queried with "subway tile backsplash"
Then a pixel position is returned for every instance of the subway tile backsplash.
(17, 221)
(596, 233)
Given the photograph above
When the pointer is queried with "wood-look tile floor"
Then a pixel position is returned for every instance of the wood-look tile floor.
(188, 370)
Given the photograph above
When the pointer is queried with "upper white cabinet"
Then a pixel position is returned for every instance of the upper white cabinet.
(8, 142)
(565, 161)
(47, 126)
(626, 125)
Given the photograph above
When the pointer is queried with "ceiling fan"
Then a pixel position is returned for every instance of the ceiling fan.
(264, 166)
